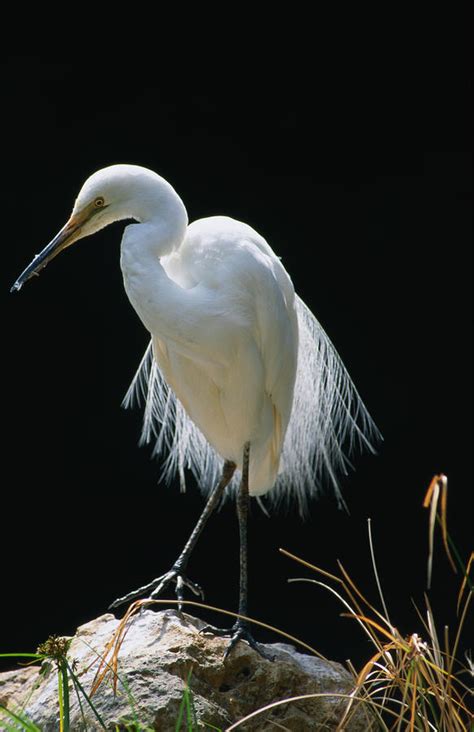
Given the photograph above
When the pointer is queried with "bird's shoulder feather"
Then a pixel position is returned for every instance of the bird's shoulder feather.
(219, 252)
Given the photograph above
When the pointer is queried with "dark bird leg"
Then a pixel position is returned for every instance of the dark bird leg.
(240, 630)
(177, 572)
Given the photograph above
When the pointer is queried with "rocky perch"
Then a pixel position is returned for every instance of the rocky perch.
(160, 652)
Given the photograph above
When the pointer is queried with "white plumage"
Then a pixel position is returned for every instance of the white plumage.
(235, 356)
(266, 372)
(238, 374)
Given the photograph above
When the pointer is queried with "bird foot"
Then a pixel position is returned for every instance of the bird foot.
(155, 588)
(239, 631)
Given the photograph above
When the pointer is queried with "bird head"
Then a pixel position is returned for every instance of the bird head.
(112, 194)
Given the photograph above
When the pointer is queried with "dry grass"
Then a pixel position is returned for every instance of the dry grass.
(417, 682)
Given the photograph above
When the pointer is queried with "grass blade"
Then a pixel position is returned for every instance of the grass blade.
(431, 500)
(79, 686)
(374, 565)
(64, 685)
(26, 725)
(465, 581)
(35, 656)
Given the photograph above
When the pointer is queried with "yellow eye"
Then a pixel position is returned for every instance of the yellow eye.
(99, 202)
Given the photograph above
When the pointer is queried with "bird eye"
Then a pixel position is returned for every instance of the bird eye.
(99, 202)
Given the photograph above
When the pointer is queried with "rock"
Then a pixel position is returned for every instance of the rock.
(161, 650)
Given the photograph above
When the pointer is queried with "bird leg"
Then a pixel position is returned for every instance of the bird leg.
(240, 630)
(177, 572)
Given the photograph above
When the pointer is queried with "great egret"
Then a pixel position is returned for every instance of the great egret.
(238, 369)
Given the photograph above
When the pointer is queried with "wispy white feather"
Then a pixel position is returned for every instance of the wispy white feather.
(328, 423)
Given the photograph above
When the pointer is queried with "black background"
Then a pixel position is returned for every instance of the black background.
(353, 162)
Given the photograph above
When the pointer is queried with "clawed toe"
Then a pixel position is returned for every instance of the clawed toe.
(142, 591)
(239, 631)
(181, 582)
(155, 588)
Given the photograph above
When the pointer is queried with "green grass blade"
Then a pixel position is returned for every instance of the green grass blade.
(26, 725)
(78, 695)
(185, 706)
(180, 712)
(189, 709)
(130, 698)
(61, 703)
(66, 701)
(81, 689)
(37, 656)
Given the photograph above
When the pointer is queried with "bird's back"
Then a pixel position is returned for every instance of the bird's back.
(242, 389)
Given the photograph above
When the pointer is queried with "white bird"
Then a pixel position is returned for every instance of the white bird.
(239, 375)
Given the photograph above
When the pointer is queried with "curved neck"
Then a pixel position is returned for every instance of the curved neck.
(163, 219)
(166, 310)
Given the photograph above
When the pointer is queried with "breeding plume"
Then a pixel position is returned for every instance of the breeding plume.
(239, 378)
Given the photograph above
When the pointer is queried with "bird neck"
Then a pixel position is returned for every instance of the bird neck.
(163, 219)
(166, 309)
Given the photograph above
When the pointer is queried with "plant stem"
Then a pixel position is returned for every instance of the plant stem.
(63, 686)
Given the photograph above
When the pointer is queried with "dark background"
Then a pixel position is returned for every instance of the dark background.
(353, 162)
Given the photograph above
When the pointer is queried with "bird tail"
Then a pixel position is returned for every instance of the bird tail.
(328, 422)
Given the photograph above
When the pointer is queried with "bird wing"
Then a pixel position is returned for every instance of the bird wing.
(248, 301)
(328, 420)
(254, 295)
(249, 286)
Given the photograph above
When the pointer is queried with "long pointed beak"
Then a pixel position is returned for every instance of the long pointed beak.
(64, 238)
